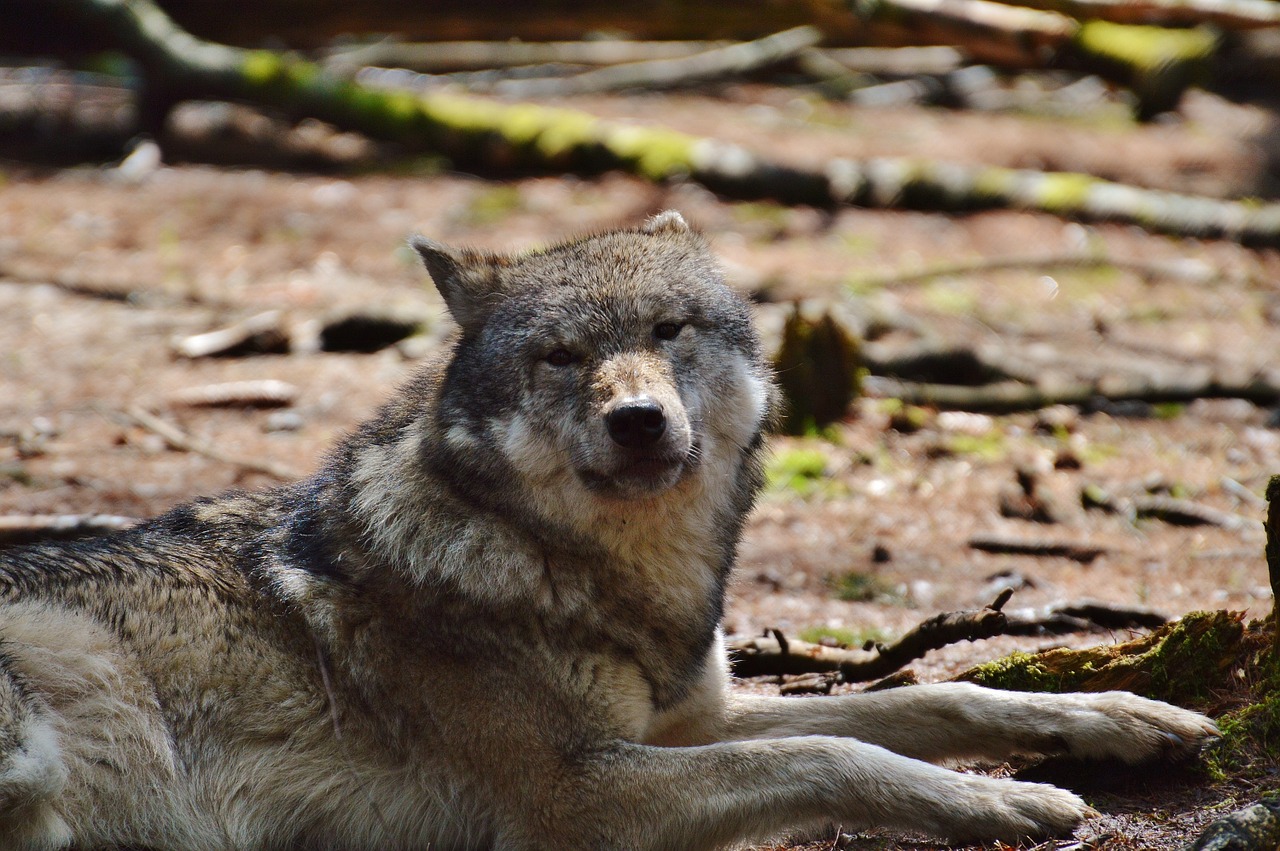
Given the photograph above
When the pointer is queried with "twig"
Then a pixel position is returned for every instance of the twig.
(90, 286)
(261, 333)
(448, 56)
(178, 439)
(260, 393)
(758, 656)
(1178, 512)
(1242, 493)
(1082, 616)
(1011, 396)
(1226, 14)
(29, 528)
(1178, 270)
(1184, 512)
(993, 543)
(734, 60)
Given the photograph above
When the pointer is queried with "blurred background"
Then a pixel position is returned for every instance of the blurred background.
(1016, 264)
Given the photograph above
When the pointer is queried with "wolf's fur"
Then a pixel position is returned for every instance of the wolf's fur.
(491, 619)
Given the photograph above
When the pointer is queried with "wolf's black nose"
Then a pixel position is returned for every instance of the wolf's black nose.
(636, 425)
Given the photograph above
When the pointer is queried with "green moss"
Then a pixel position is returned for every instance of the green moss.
(262, 67)
(994, 184)
(1184, 663)
(989, 447)
(492, 205)
(657, 153)
(1016, 672)
(905, 418)
(760, 213)
(564, 132)
(841, 636)
(1250, 739)
(858, 587)
(801, 471)
(1145, 47)
(1188, 664)
(1168, 410)
(947, 297)
(1063, 192)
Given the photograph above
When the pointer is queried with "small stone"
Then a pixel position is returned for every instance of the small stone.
(284, 421)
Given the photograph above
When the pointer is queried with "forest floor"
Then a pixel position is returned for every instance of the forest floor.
(864, 545)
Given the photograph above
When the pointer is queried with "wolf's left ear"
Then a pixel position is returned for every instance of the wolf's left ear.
(668, 221)
(465, 279)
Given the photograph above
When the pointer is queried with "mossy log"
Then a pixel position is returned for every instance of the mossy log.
(1225, 14)
(482, 134)
(1184, 662)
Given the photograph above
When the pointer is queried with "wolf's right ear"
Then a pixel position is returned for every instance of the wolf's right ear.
(467, 280)
(668, 221)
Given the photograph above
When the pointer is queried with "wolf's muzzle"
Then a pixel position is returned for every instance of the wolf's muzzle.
(636, 425)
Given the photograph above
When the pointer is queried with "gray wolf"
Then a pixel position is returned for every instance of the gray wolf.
(491, 619)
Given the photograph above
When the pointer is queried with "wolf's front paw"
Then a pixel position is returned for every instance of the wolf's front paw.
(1120, 725)
(1011, 811)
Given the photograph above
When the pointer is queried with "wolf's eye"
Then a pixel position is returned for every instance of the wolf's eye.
(668, 330)
(560, 357)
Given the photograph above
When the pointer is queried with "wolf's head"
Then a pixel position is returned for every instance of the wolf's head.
(618, 367)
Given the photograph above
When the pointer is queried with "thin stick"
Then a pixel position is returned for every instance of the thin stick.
(1172, 270)
(757, 656)
(178, 439)
(733, 60)
(30, 528)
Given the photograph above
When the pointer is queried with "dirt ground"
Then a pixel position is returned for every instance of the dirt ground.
(200, 247)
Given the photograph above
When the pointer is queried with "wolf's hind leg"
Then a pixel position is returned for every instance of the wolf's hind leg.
(32, 772)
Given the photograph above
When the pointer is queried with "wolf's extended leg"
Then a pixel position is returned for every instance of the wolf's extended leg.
(952, 721)
(32, 773)
(646, 797)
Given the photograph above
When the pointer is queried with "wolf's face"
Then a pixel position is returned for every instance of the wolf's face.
(617, 367)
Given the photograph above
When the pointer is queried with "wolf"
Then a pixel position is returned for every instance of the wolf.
(491, 620)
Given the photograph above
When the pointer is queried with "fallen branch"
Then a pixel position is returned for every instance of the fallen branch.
(1177, 512)
(1191, 656)
(477, 133)
(1176, 270)
(1087, 616)
(180, 440)
(718, 63)
(444, 57)
(776, 654)
(260, 334)
(1011, 396)
(1225, 14)
(260, 393)
(1008, 545)
(31, 528)
(92, 286)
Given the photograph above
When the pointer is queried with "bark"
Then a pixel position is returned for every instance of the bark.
(1082, 552)
(775, 654)
(717, 63)
(779, 655)
(18, 529)
(461, 56)
(481, 134)
(1226, 14)
(1272, 552)
(1185, 662)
